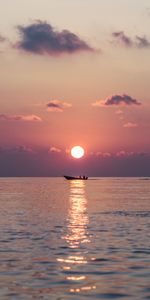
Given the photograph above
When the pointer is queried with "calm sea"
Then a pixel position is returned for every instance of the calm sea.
(74, 240)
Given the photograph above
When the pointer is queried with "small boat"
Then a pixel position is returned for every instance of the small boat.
(76, 177)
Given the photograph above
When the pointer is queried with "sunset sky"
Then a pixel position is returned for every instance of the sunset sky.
(74, 72)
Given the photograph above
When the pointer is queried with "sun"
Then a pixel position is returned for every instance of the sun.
(77, 151)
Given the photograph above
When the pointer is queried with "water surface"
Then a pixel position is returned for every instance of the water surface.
(74, 239)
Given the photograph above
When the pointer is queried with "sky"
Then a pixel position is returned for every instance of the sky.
(74, 72)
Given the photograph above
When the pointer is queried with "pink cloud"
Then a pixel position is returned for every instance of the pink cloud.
(57, 105)
(130, 125)
(119, 154)
(119, 112)
(54, 149)
(26, 118)
(103, 154)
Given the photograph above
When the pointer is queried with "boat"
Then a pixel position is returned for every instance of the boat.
(76, 177)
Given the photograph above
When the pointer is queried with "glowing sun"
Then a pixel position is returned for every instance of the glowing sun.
(77, 152)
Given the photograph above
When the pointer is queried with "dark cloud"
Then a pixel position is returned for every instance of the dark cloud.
(117, 100)
(41, 38)
(122, 38)
(26, 118)
(121, 100)
(57, 105)
(137, 42)
(142, 42)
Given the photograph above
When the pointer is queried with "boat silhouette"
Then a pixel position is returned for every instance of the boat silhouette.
(76, 177)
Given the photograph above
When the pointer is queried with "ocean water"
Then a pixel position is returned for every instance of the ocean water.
(74, 239)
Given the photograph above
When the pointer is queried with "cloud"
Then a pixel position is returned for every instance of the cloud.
(142, 42)
(117, 100)
(103, 154)
(54, 150)
(57, 105)
(130, 125)
(122, 153)
(17, 149)
(126, 41)
(23, 149)
(2, 39)
(20, 161)
(122, 38)
(126, 154)
(41, 38)
(119, 112)
(26, 118)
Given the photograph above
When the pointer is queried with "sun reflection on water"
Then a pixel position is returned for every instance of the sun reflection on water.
(76, 238)
(77, 216)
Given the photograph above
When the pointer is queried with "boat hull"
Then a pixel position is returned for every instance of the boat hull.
(76, 177)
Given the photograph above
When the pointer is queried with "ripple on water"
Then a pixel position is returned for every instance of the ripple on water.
(93, 244)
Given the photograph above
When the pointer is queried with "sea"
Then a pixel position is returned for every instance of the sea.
(76, 240)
